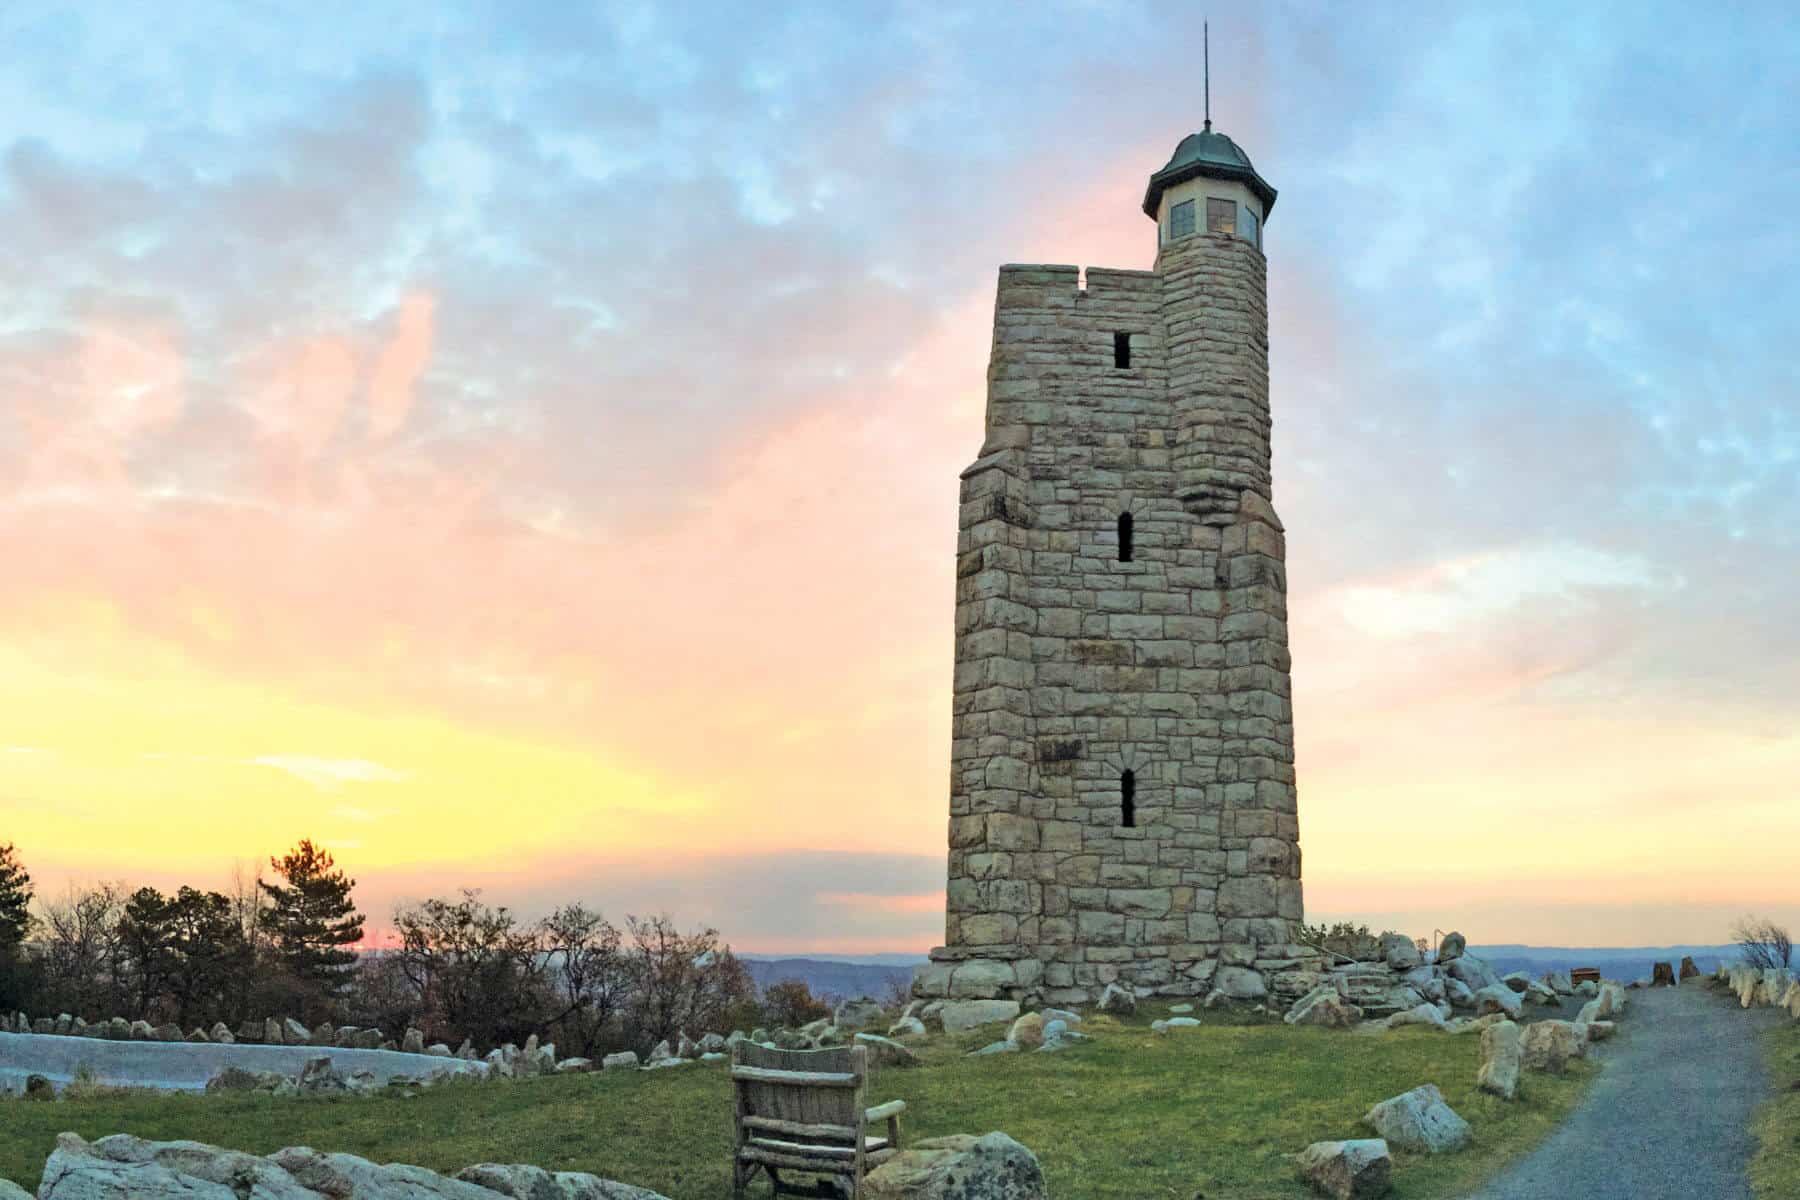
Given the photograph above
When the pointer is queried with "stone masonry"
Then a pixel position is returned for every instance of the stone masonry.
(1122, 801)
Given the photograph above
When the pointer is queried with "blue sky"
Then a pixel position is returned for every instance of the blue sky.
(622, 359)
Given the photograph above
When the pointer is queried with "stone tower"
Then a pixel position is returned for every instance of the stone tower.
(1122, 801)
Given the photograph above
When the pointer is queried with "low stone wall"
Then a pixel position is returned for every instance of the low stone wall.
(186, 1066)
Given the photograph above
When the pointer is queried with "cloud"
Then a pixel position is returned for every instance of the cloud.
(330, 774)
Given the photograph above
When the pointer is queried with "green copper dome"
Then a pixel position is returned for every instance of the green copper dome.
(1215, 156)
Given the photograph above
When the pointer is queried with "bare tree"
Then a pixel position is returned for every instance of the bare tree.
(584, 968)
(1764, 943)
(681, 981)
(81, 948)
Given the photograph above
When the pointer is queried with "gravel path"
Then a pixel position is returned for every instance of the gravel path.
(1668, 1117)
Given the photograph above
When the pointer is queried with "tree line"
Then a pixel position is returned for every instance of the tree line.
(285, 943)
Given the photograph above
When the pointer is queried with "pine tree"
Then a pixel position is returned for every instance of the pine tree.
(15, 899)
(311, 918)
(17, 974)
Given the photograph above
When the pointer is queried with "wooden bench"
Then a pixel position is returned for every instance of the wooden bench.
(802, 1110)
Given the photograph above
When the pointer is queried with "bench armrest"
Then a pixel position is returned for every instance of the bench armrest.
(885, 1112)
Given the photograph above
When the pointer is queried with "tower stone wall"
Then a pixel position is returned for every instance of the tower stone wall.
(1074, 667)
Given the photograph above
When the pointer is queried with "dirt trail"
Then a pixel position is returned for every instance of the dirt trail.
(1670, 1115)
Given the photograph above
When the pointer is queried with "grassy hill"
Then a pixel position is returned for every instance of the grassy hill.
(1209, 1111)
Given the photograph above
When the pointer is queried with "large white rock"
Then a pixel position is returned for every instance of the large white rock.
(959, 1016)
(1453, 946)
(1501, 999)
(1325, 1007)
(1500, 1060)
(1419, 1120)
(1398, 951)
(863, 1013)
(960, 1167)
(123, 1166)
(10, 1190)
(534, 1183)
(1549, 1045)
(1421, 1014)
(1353, 1170)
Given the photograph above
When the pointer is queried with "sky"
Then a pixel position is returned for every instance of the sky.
(517, 445)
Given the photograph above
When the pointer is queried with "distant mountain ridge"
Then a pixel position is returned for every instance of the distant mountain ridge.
(835, 977)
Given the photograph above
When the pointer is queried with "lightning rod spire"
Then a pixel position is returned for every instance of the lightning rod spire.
(1206, 69)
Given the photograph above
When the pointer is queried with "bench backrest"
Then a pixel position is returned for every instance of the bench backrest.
(820, 1088)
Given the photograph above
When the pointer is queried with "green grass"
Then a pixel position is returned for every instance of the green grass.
(1775, 1171)
(1204, 1112)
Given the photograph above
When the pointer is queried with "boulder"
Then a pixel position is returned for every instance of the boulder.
(684, 1047)
(118, 1029)
(523, 1182)
(1353, 1170)
(713, 1043)
(273, 1033)
(1472, 972)
(293, 1033)
(368, 1039)
(1419, 1120)
(1612, 1001)
(1501, 999)
(1549, 1045)
(8, 1189)
(1662, 975)
(141, 1032)
(1324, 1007)
(413, 1042)
(198, 1034)
(1518, 981)
(1240, 983)
(1538, 992)
(123, 1165)
(1474, 1024)
(861, 1013)
(907, 1028)
(1027, 1031)
(1422, 1014)
(574, 1066)
(960, 1167)
(1587, 987)
(168, 1032)
(1174, 1023)
(1459, 993)
(1000, 1047)
(1119, 1000)
(1398, 951)
(1688, 969)
(1500, 1060)
(958, 1016)
(1598, 1031)
(624, 1060)
(466, 1050)
(886, 1052)
(1558, 982)
(1590, 1012)
(1453, 946)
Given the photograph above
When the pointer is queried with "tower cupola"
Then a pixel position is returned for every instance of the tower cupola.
(1209, 185)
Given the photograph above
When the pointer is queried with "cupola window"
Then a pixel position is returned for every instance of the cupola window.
(1125, 546)
(1248, 227)
(1121, 350)
(1128, 799)
(1181, 220)
(1221, 215)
